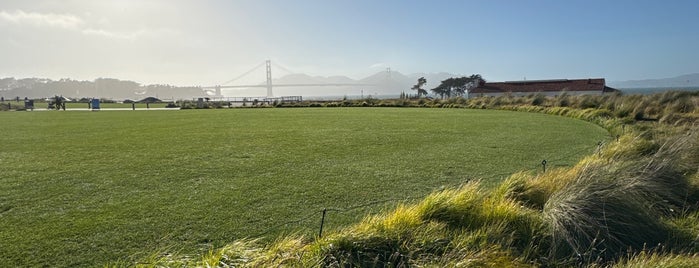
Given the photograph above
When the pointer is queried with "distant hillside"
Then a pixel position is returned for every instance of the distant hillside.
(104, 88)
(307, 79)
(381, 83)
(689, 80)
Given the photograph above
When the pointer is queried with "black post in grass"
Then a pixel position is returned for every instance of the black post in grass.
(322, 221)
(133, 106)
(543, 164)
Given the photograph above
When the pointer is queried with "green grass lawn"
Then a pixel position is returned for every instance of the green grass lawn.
(87, 188)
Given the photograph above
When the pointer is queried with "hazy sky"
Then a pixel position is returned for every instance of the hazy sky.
(208, 42)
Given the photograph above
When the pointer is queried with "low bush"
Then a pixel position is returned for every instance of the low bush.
(538, 99)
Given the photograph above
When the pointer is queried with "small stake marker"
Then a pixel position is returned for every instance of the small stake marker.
(322, 221)
(543, 164)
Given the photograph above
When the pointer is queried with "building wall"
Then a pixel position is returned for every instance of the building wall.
(522, 94)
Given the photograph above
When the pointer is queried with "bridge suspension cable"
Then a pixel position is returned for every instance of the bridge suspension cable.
(244, 74)
(283, 68)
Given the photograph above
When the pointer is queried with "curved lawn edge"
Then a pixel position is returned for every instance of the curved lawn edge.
(524, 221)
(196, 179)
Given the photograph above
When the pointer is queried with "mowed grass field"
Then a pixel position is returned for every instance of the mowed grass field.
(88, 188)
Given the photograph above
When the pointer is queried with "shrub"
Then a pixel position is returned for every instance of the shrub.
(538, 99)
(187, 105)
(588, 101)
(563, 101)
(622, 112)
(639, 113)
(682, 105)
(601, 114)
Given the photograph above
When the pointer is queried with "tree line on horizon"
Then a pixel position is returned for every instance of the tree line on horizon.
(451, 87)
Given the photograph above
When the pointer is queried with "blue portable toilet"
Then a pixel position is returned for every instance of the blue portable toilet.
(95, 104)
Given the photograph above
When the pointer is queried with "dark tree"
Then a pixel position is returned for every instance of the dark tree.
(458, 86)
(418, 87)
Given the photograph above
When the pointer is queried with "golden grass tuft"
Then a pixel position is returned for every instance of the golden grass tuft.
(659, 260)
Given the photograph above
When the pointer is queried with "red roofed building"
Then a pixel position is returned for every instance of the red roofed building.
(556, 87)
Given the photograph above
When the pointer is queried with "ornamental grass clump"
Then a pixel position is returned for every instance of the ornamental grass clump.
(393, 239)
(609, 210)
(594, 220)
(659, 260)
(472, 208)
(534, 190)
(465, 221)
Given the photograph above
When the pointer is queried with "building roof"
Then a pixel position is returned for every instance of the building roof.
(533, 86)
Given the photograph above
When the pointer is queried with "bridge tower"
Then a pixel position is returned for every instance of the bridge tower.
(269, 78)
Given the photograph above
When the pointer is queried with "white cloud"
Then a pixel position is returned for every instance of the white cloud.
(377, 65)
(74, 23)
(65, 21)
(113, 35)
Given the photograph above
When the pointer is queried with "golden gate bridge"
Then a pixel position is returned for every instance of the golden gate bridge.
(269, 85)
